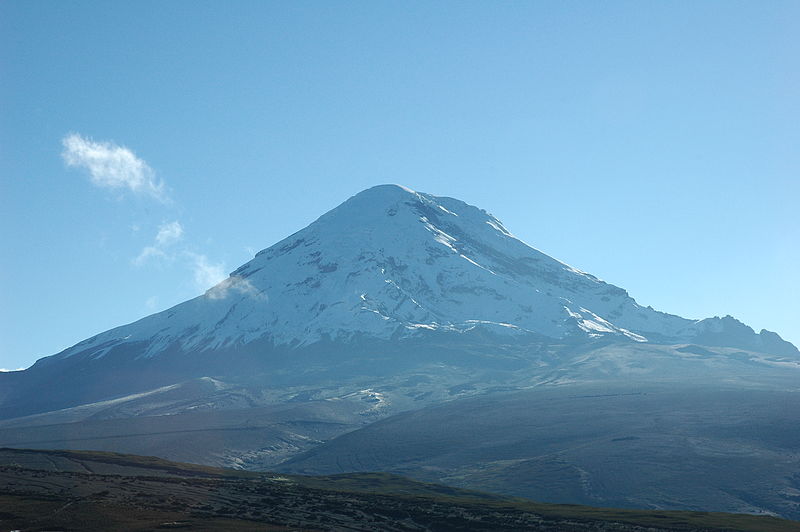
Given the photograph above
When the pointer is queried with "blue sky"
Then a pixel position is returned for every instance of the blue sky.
(653, 144)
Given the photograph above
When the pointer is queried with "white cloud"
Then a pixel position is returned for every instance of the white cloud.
(235, 284)
(116, 167)
(168, 234)
(217, 284)
(151, 303)
(209, 276)
(148, 253)
(112, 166)
(4, 370)
(206, 274)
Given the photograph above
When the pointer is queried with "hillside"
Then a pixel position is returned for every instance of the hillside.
(105, 491)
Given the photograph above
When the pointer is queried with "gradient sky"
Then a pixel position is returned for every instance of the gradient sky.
(653, 144)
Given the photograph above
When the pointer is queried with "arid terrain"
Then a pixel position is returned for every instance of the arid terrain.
(79, 490)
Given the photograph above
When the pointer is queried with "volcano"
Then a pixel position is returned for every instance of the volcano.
(368, 288)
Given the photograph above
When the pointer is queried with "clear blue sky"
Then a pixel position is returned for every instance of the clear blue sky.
(653, 144)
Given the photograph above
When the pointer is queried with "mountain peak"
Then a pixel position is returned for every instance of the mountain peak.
(386, 190)
(376, 205)
(378, 197)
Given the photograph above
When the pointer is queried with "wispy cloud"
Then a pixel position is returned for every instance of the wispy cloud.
(149, 252)
(206, 273)
(217, 284)
(112, 166)
(208, 276)
(235, 284)
(116, 167)
(168, 234)
(152, 303)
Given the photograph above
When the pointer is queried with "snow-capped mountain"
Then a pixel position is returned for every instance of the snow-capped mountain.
(390, 263)
(393, 302)
(398, 297)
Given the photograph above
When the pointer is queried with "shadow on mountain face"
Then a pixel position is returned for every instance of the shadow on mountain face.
(650, 446)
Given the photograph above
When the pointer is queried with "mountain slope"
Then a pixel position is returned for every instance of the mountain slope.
(673, 446)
